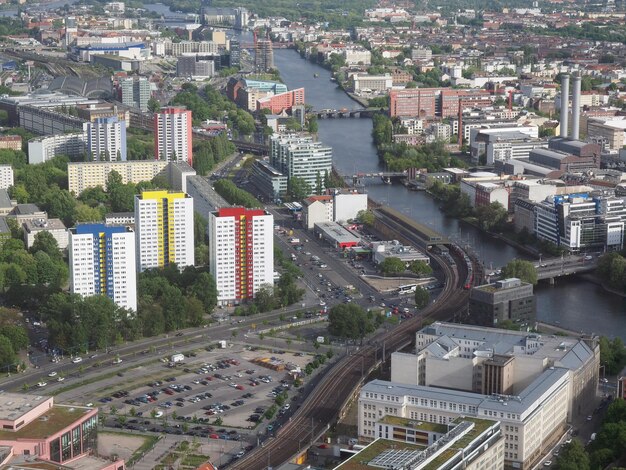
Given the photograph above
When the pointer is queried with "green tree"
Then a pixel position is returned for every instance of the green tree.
(312, 125)
(7, 353)
(153, 105)
(492, 216)
(522, 269)
(298, 188)
(351, 321)
(44, 241)
(392, 266)
(422, 298)
(16, 335)
(366, 217)
(573, 457)
(420, 268)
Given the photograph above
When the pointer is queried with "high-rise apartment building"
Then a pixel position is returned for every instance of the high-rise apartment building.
(164, 225)
(135, 92)
(172, 135)
(299, 156)
(263, 55)
(106, 139)
(241, 252)
(102, 262)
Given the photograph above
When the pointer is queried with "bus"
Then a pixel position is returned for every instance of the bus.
(407, 289)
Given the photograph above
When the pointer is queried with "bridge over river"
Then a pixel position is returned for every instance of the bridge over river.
(551, 268)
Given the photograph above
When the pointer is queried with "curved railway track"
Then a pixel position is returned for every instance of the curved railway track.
(326, 401)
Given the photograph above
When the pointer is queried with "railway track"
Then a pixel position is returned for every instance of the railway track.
(325, 402)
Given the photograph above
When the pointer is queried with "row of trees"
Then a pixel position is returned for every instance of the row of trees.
(13, 339)
(351, 321)
(612, 269)
(234, 195)
(167, 300)
(393, 266)
(206, 153)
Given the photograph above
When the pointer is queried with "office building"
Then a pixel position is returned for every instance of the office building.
(54, 227)
(102, 262)
(263, 55)
(431, 102)
(365, 83)
(507, 300)
(235, 53)
(190, 66)
(465, 443)
(49, 435)
(299, 156)
(135, 92)
(271, 182)
(282, 101)
(164, 227)
(6, 176)
(106, 139)
(241, 252)
(172, 135)
(42, 149)
(530, 421)
(456, 356)
(83, 175)
(43, 121)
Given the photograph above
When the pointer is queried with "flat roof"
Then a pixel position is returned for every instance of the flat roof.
(45, 224)
(337, 232)
(52, 421)
(14, 405)
(361, 460)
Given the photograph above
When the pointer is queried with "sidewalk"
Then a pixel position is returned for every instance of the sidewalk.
(160, 450)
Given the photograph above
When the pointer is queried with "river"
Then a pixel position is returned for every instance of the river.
(571, 303)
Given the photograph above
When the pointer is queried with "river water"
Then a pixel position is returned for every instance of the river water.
(571, 303)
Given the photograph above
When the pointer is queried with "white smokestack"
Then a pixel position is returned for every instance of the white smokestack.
(564, 104)
(575, 135)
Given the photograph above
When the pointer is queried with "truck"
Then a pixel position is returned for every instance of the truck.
(178, 357)
(294, 241)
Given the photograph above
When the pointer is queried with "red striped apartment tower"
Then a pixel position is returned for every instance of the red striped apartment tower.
(172, 135)
(241, 252)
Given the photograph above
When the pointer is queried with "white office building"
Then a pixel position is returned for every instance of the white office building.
(102, 262)
(106, 139)
(299, 156)
(241, 252)
(165, 231)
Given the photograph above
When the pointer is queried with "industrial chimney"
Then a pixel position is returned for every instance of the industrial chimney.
(564, 104)
(575, 135)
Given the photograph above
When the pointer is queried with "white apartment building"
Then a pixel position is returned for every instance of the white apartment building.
(241, 252)
(102, 262)
(299, 156)
(317, 209)
(165, 231)
(106, 139)
(412, 125)
(42, 149)
(172, 135)
(6, 176)
(357, 56)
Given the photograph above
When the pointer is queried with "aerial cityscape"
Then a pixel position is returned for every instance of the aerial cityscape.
(297, 235)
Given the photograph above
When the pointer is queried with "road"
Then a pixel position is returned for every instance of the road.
(340, 383)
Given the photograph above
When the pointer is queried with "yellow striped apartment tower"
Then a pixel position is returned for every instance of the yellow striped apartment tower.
(164, 229)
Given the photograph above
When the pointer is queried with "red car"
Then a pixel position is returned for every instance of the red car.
(213, 436)
(239, 387)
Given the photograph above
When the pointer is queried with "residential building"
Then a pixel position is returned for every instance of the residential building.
(172, 135)
(316, 209)
(11, 142)
(42, 149)
(506, 300)
(106, 139)
(190, 66)
(135, 92)
(483, 193)
(6, 176)
(54, 227)
(164, 227)
(282, 101)
(176, 49)
(83, 175)
(263, 55)
(467, 443)
(120, 218)
(299, 156)
(35, 427)
(609, 130)
(413, 103)
(241, 252)
(102, 262)
(357, 56)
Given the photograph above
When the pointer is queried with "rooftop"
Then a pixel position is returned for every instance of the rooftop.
(361, 460)
(14, 405)
(52, 421)
(44, 224)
